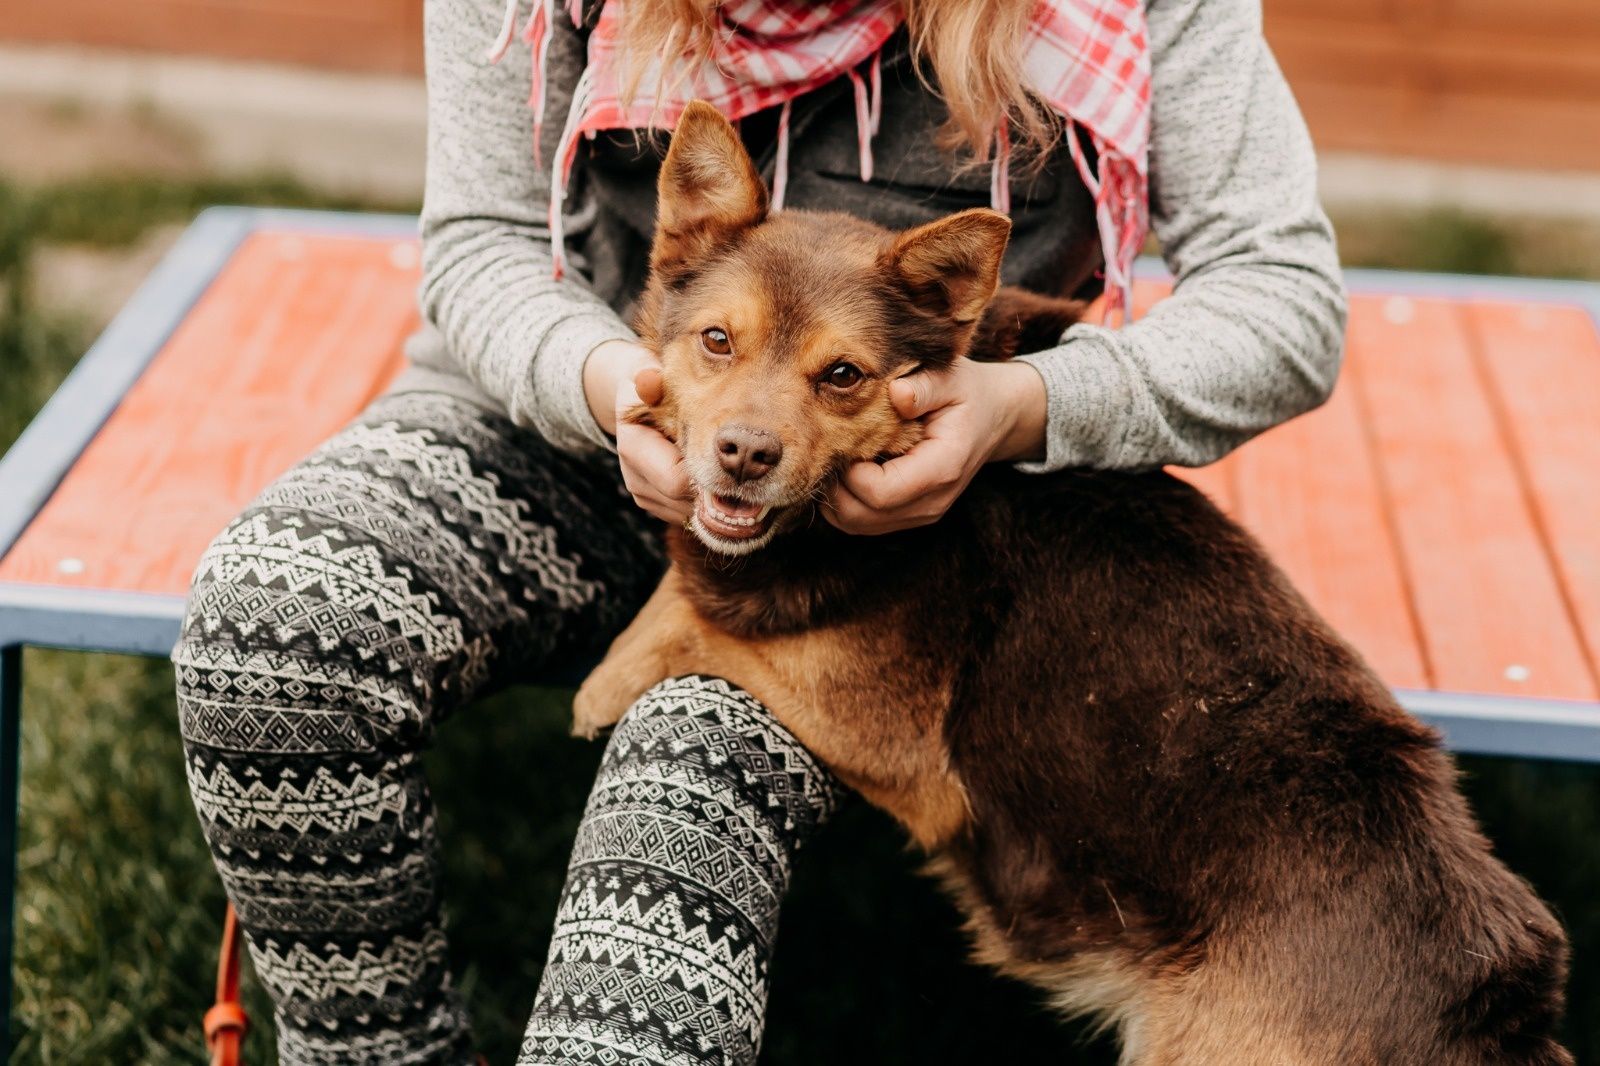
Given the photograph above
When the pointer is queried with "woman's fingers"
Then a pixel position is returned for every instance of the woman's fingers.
(918, 394)
(669, 510)
(846, 512)
(849, 513)
(672, 512)
(935, 463)
(912, 490)
(653, 471)
(607, 373)
(919, 486)
(655, 458)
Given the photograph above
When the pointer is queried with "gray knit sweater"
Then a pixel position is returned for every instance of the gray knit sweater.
(1251, 336)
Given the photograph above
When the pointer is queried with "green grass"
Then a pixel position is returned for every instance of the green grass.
(112, 210)
(119, 910)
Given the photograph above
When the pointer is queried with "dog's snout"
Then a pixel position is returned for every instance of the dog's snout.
(747, 454)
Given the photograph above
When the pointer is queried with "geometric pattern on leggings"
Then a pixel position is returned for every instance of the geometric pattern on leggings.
(665, 929)
(426, 554)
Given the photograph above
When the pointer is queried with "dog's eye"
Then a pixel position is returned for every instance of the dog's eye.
(716, 341)
(842, 376)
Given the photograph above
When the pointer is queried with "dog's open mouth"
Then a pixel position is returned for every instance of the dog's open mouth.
(730, 518)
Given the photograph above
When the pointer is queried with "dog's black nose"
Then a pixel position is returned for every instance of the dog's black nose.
(747, 453)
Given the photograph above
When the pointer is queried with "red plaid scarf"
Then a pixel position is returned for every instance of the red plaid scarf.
(1088, 59)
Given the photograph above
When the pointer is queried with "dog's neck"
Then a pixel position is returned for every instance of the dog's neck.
(810, 575)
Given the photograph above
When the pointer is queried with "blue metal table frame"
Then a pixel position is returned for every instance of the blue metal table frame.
(91, 620)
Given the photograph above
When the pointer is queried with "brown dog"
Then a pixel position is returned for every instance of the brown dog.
(1161, 788)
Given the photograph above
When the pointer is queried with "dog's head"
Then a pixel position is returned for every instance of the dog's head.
(779, 335)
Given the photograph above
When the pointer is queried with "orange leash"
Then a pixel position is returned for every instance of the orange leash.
(226, 1022)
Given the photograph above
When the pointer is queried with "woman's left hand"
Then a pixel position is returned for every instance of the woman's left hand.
(975, 413)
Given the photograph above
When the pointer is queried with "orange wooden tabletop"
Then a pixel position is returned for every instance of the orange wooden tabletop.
(296, 334)
(1439, 510)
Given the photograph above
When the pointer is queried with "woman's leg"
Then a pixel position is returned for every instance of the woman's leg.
(666, 925)
(430, 551)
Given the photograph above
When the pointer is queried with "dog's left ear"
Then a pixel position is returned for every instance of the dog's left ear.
(708, 189)
(951, 266)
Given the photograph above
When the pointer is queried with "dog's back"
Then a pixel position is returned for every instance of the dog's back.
(1198, 813)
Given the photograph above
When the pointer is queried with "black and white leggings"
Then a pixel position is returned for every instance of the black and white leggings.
(429, 553)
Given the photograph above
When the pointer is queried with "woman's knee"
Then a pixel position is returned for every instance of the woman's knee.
(297, 639)
(723, 755)
(700, 803)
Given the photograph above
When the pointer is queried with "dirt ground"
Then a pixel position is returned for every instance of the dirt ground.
(45, 141)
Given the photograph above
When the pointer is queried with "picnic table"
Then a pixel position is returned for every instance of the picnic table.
(1440, 510)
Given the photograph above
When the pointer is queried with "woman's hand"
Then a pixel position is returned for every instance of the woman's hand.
(617, 376)
(975, 413)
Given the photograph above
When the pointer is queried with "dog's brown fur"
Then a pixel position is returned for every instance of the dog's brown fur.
(1160, 787)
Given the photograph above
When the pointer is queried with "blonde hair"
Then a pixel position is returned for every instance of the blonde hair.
(971, 48)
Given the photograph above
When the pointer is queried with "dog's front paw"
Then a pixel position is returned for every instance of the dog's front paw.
(594, 710)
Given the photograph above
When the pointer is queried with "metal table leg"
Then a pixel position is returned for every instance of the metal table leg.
(10, 754)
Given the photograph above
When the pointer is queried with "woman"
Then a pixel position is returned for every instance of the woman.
(471, 528)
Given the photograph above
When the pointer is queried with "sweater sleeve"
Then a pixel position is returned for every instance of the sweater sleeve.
(487, 286)
(1253, 332)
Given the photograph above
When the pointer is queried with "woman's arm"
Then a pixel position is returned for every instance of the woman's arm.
(1253, 332)
(519, 334)
(1250, 337)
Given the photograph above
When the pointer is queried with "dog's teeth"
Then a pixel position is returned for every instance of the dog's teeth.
(742, 520)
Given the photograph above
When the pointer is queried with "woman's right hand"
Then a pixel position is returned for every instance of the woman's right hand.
(617, 376)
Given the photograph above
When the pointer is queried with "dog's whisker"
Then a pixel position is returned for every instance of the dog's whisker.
(1114, 905)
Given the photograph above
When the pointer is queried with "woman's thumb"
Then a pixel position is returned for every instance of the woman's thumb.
(916, 394)
(649, 385)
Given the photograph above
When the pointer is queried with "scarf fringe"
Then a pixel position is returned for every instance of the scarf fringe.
(876, 75)
(561, 169)
(537, 35)
(869, 110)
(502, 40)
(780, 164)
(1120, 211)
(1118, 216)
(1000, 169)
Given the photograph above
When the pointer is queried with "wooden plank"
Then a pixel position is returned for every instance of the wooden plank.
(1477, 128)
(1485, 593)
(1565, 17)
(1309, 491)
(1543, 16)
(1543, 363)
(377, 36)
(1486, 81)
(1451, 59)
(290, 341)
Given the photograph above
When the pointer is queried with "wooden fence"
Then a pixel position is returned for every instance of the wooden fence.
(1508, 82)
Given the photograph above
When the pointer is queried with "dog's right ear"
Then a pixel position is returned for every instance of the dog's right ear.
(708, 190)
(951, 266)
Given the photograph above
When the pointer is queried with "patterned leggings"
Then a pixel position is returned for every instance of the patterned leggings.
(427, 554)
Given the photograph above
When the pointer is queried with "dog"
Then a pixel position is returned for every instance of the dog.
(1158, 785)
